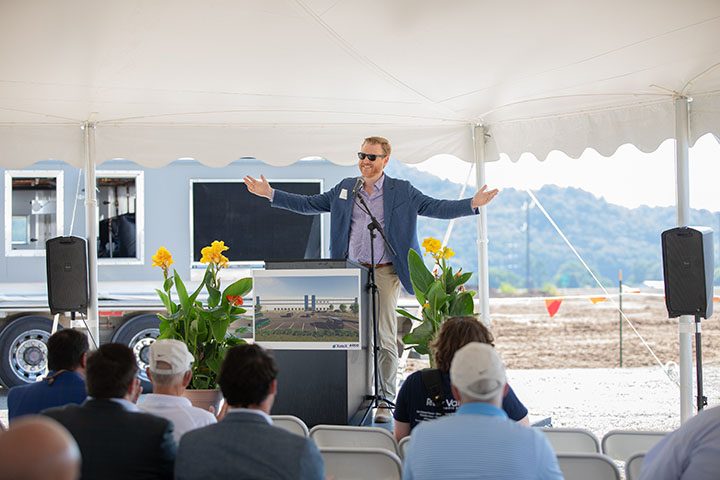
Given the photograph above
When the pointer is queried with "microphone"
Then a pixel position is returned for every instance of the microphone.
(358, 185)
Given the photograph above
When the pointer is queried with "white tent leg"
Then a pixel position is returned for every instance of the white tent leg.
(91, 227)
(682, 199)
(478, 137)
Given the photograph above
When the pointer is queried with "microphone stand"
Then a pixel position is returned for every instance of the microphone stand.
(374, 226)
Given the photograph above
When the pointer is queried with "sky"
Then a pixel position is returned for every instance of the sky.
(629, 177)
(334, 285)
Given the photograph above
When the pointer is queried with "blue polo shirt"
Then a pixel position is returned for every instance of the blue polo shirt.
(479, 442)
(66, 387)
(414, 405)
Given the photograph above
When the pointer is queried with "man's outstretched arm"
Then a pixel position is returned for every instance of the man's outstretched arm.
(483, 196)
(261, 187)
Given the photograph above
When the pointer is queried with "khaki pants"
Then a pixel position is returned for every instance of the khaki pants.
(388, 291)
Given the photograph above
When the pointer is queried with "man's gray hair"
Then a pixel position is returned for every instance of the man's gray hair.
(167, 379)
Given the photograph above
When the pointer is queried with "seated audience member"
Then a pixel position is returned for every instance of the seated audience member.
(245, 444)
(65, 382)
(170, 372)
(38, 448)
(426, 394)
(691, 452)
(116, 440)
(479, 441)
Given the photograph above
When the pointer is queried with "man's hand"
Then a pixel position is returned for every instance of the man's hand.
(260, 187)
(483, 197)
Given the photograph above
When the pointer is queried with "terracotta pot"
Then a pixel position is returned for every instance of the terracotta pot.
(205, 398)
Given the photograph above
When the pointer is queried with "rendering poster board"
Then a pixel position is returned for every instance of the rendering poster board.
(307, 309)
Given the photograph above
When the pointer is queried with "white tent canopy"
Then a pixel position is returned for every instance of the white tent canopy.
(281, 80)
(285, 79)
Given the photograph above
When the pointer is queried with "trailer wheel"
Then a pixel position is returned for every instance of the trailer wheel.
(139, 333)
(23, 350)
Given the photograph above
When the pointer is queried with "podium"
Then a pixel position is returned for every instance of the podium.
(324, 386)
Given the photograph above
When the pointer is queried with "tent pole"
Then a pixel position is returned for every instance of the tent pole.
(91, 227)
(682, 199)
(478, 138)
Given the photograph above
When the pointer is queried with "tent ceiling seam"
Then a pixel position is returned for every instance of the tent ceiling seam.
(273, 110)
(696, 77)
(367, 61)
(581, 61)
(665, 97)
(48, 115)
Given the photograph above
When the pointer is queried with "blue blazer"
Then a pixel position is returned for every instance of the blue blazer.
(244, 446)
(67, 387)
(402, 203)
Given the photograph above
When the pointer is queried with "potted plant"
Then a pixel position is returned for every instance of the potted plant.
(440, 292)
(202, 325)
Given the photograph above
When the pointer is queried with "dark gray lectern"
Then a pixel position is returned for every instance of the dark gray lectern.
(324, 386)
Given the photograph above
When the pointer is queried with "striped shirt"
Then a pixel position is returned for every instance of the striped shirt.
(479, 442)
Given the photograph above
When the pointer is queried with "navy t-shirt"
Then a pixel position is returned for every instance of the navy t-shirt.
(413, 403)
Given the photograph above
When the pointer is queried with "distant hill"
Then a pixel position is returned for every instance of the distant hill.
(607, 236)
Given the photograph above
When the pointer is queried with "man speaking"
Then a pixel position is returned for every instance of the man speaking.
(395, 204)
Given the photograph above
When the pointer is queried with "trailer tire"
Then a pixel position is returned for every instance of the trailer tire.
(23, 350)
(139, 333)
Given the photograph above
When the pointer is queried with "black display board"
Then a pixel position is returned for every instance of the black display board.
(252, 229)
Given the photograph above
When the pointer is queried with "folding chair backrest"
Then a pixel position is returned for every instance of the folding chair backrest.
(587, 466)
(403, 445)
(353, 437)
(361, 464)
(633, 466)
(572, 440)
(291, 423)
(622, 444)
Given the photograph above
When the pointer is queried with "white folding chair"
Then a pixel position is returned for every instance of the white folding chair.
(361, 464)
(291, 423)
(623, 444)
(572, 440)
(633, 466)
(353, 437)
(403, 445)
(587, 466)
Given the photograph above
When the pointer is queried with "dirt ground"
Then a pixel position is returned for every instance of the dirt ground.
(566, 368)
(586, 335)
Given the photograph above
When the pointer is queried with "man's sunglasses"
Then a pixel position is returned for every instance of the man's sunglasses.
(369, 156)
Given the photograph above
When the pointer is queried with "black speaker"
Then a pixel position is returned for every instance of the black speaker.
(67, 274)
(688, 270)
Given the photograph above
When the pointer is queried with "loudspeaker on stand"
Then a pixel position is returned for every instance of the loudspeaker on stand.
(67, 274)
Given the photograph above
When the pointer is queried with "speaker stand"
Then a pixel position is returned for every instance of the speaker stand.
(701, 399)
(56, 323)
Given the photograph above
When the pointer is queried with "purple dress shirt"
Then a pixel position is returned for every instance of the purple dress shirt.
(359, 246)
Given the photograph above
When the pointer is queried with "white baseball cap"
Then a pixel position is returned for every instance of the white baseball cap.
(173, 352)
(478, 372)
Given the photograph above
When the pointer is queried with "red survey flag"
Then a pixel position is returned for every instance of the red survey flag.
(553, 305)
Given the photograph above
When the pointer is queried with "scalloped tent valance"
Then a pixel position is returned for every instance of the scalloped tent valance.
(284, 80)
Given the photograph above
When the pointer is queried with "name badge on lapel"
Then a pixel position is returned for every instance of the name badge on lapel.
(343, 194)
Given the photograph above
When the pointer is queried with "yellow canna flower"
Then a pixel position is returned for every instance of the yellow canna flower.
(213, 254)
(431, 245)
(426, 305)
(447, 253)
(207, 255)
(162, 258)
(219, 246)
